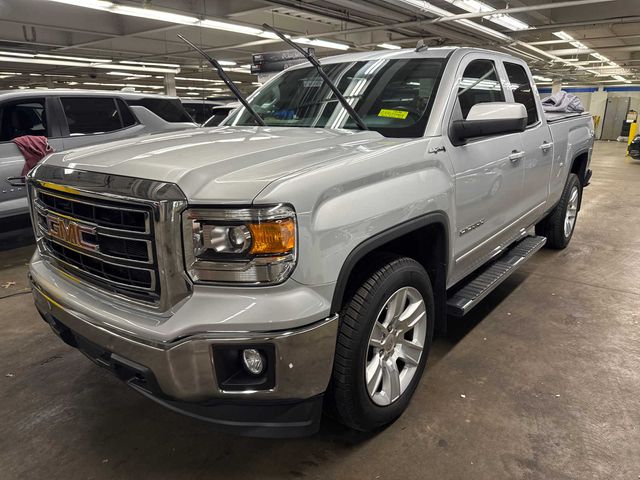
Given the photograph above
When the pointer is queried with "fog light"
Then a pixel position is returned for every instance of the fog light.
(253, 361)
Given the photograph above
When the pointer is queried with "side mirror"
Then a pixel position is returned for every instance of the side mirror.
(491, 118)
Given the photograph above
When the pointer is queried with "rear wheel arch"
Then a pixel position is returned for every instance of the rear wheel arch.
(425, 239)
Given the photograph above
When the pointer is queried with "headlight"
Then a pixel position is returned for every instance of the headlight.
(240, 246)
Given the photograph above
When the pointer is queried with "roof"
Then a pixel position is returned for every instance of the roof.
(4, 94)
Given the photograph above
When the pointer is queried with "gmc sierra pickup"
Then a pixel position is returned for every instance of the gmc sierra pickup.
(302, 254)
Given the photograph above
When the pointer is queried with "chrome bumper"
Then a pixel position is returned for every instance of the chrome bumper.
(184, 370)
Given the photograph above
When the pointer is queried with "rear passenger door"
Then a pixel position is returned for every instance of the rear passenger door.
(536, 139)
(488, 172)
(92, 120)
(18, 117)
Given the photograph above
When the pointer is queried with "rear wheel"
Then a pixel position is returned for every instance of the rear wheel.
(558, 227)
(383, 342)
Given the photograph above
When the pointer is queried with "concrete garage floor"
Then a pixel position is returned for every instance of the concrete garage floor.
(541, 381)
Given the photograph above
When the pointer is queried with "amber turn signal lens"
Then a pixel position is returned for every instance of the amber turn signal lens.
(278, 236)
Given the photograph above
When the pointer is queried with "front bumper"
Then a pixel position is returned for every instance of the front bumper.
(181, 375)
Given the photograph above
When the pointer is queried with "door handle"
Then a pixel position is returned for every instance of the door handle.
(17, 181)
(546, 146)
(515, 156)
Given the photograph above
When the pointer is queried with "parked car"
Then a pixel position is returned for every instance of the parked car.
(199, 110)
(72, 119)
(249, 275)
(634, 148)
(219, 113)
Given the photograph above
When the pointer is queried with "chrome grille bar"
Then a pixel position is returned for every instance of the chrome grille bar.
(117, 234)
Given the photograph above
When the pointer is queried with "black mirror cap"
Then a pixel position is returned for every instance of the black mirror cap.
(461, 130)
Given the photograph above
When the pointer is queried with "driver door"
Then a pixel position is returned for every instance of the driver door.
(488, 171)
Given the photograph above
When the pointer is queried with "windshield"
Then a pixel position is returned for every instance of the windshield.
(393, 96)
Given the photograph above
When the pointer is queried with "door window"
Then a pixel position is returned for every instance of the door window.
(480, 83)
(522, 90)
(23, 118)
(169, 109)
(91, 115)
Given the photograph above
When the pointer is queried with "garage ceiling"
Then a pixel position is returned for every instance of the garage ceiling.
(108, 45)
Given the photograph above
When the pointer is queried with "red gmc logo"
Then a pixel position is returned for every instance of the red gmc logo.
(71, 232)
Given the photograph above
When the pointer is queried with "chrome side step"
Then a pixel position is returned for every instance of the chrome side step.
(483, 283)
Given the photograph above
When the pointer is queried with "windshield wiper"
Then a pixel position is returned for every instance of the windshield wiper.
(347, 106)
(225, 78)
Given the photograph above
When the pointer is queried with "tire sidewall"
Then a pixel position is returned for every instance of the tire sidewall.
(408, 276)
(573, 182)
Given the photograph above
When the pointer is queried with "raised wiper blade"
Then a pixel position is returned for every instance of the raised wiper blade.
(225, 78)
(347, 106)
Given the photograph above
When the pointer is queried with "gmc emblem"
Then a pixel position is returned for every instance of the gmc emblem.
(71, 232)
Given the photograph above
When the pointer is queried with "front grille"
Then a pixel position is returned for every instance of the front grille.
(106, 243)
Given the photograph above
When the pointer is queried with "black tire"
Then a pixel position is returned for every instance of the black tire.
(347, 396)
(552, 226)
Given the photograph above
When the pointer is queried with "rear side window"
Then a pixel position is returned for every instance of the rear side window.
(91, 115)
(21, 118)
(218, 116)
(522, 90)
(170, 110)
(480, 83)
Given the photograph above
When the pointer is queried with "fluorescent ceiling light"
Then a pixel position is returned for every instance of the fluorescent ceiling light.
(206, 80)
(542, 79)
(389, 46)
(164, 16)
(68, 63)
(230, 27)
(120, 85)
(150, 64)
(621, 78)
(563, 36)
(193, 93)
(76, 59)
(95, 4)
(9, 74)
(152, 14)
(441, 12)
(129, 74)
(16, 54)
(316, 42)
(504, 20)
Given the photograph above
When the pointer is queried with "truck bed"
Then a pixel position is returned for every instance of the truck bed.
(553, 117)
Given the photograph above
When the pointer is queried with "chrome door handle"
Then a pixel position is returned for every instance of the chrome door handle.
(515, 156)
(546, 146)
(17, 181)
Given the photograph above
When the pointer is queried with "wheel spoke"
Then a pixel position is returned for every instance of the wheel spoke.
(377, 335)
(374, 374)
(411, 316)
(396, 306)
(409, 352)
(391, 380)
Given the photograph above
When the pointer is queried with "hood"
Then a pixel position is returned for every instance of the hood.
(223, 164)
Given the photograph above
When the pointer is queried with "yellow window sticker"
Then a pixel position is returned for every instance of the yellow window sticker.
(393, 113)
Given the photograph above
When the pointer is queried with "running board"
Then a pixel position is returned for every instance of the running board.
(480, 285)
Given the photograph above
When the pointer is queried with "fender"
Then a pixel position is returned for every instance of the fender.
(386, 236)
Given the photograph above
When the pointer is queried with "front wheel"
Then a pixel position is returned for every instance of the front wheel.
(558, 227)
(383, 341)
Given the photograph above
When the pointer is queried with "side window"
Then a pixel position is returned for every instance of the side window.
(21, 118)
(91, 115)
(169, 110)
(127, 117)
(522, 90)
(480, 83)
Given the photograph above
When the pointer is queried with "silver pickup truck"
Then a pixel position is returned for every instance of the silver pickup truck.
(72, 119)
(252, 275)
